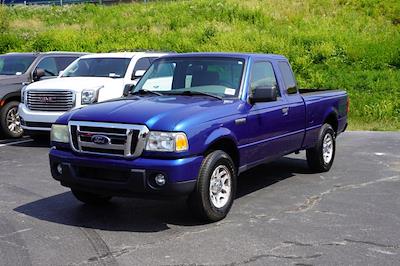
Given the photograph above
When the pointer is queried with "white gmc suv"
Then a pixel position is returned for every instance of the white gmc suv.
(90, 79)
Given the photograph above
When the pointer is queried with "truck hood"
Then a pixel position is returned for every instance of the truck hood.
(167, 113)
(11, 79)
(76, 84)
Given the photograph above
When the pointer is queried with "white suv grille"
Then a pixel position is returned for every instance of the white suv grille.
(56, 101)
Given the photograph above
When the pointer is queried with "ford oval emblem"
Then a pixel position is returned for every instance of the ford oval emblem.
(100, 139)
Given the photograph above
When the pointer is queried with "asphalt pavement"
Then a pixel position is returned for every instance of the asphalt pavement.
(283, 215)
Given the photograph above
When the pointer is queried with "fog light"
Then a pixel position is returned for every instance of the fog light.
(160, 179)
(59, 169)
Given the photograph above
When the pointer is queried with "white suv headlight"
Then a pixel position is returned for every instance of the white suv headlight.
(91, 95)
(23, 91)
(167, 141)
(59, 133)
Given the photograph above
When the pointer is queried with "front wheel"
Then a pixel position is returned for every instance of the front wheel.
(10, 121)
(216, 187)
(90, 198)
(320, 158)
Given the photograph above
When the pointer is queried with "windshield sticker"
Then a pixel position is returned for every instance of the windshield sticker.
(229, 91)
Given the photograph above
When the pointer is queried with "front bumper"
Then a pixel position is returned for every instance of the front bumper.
(121, 177)
(37, 120)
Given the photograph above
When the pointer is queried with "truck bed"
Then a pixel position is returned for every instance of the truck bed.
(315, 90)
(319, 103)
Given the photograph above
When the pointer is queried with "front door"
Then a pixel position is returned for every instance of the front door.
(266, 123)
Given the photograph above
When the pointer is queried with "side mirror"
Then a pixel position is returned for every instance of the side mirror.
(264, 94)
(127, 89)
(37, 74)
(60, 73)
(138, 74)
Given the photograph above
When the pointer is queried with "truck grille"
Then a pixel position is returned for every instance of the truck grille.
(56, 101)
(108, 138)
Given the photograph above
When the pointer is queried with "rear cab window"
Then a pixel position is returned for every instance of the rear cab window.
(288, 78)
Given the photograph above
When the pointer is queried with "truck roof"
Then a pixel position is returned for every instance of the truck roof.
(45, 53)
(229, 55)
(122, 54)
(27, 54)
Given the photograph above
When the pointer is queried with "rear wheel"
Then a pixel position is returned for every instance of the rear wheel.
(10, 121)
(216, 187)
(90, 198)
(320, 158)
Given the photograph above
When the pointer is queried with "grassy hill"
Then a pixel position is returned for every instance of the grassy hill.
(348, 44)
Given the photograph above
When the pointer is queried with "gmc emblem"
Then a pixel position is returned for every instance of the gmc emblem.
(46, 99)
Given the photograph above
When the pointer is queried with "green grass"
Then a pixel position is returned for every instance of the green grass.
(347, 44)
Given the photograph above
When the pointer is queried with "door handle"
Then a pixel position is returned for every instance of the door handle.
(285, 110)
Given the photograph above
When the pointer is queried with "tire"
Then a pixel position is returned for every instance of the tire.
(317, 160)
(90, 198)
(209, 202)
(9, 120)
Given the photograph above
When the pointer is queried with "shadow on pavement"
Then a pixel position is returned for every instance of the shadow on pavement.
(40, 143)
(27, 142)
(139, 215)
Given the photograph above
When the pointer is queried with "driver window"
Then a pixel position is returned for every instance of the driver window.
(49, 66)
(263, 75)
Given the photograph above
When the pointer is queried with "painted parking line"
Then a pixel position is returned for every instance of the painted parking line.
(15, 142)
(5, 141)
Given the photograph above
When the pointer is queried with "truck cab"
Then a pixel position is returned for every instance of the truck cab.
(90, 79)
(190, 126)
(19, 69)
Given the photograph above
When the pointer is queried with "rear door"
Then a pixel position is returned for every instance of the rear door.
(294, 111)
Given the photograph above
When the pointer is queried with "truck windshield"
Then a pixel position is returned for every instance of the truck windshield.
(15, 64)
(216, 76)
(98, 67)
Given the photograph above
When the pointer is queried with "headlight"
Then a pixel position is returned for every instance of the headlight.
(167, 141)
(59, 133)
(90, 96)
(23, 90)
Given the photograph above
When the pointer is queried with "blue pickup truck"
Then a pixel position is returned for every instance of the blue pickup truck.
(191, 125)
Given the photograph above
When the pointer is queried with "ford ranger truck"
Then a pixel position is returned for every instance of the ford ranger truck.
(19, 69)
(90, 79)
(211, 117)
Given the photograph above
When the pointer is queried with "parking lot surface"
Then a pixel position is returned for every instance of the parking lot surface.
(283, 215)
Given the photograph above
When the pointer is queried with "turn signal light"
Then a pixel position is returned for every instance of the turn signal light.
(181, 142)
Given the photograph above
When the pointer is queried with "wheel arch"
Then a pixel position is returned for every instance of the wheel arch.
(13, 96)
(332, 119)
(225, 142)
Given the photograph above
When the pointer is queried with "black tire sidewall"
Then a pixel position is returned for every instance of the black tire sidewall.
(209, 164)
(3, 120)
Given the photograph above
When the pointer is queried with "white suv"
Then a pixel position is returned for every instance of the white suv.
(90, 79)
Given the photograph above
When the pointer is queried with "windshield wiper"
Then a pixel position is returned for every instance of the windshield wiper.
(191, 93)
(142, 92)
